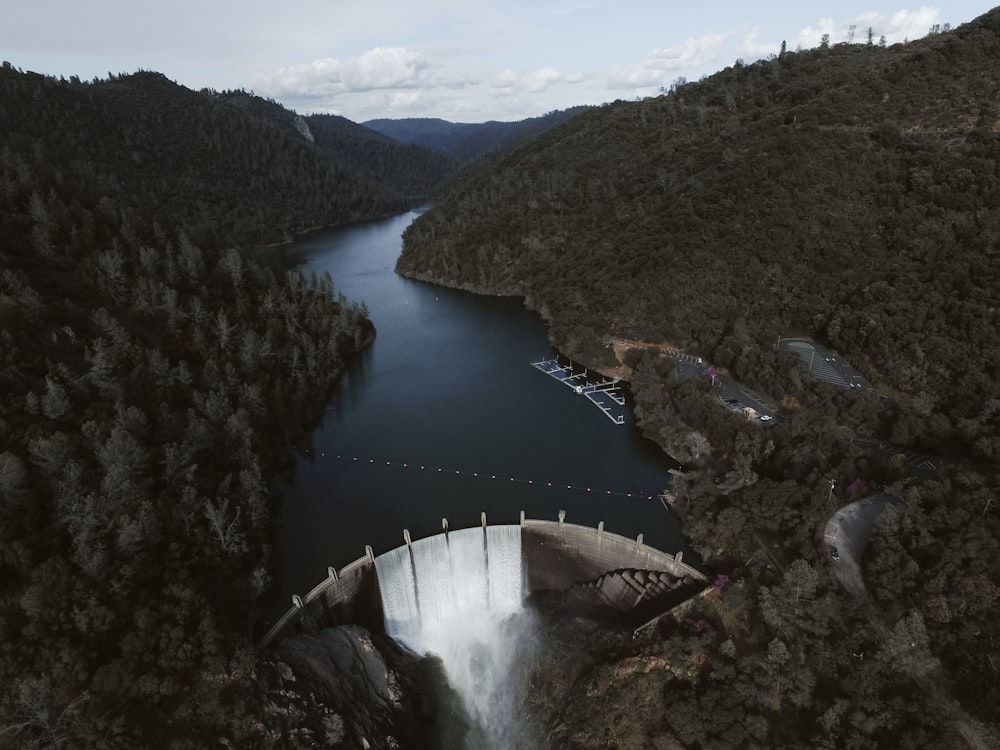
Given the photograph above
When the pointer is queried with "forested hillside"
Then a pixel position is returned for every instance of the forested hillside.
(849, 194)
(235, 163)
(465, 141)
(413, 170)
(156, 362)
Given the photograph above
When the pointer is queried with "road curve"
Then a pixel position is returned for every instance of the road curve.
(846, 535)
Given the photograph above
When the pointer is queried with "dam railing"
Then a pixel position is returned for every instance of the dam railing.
(556, 555)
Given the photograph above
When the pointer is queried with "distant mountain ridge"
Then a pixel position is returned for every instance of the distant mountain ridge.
(467, 142)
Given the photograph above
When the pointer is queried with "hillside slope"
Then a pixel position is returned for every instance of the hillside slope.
(217, 162)
(156, 363)
(847, 194)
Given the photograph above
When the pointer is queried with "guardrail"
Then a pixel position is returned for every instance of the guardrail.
(556, 555)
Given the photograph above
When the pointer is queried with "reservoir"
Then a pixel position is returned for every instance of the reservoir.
(444, 417)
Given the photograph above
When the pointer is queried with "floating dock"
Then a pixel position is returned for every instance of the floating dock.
(602, 391)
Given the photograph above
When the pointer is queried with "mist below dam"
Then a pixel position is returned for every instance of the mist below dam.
(459, 597)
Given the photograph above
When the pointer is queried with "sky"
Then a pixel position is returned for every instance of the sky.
(459, 60)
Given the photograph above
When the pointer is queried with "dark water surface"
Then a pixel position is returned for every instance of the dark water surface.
(448, 385)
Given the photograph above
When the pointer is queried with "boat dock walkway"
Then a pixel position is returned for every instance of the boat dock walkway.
(602, 391)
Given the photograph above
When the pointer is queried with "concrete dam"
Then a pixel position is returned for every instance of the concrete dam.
(496, 568)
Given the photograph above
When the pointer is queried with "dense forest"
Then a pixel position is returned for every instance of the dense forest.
(846, 193)
(158, 357)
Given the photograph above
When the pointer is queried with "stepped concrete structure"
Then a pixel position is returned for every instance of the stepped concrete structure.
(593, 569)
(604, 572)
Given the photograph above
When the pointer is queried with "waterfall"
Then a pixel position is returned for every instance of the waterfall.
(459, 596)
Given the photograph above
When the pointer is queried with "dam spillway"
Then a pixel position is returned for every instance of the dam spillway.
(448, 576)
(621, 574)
(458, 596)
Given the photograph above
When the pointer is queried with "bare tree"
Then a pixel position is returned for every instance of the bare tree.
(226, 531)
(41, 725)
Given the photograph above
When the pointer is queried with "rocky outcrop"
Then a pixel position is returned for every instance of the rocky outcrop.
(593, 686)
(351, 689)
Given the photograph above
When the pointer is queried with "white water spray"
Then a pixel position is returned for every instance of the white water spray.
(459, 596)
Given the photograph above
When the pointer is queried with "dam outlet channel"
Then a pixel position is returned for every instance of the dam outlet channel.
(460, 596)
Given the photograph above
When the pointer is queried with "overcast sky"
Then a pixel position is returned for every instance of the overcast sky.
(460, 60)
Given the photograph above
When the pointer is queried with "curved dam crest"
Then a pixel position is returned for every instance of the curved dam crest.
(594, 569)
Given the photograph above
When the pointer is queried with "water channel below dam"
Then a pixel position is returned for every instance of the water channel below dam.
(444, 417)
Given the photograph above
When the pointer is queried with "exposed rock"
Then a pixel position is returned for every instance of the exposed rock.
(285, 672)
(303, 127)
(372, 688)
(596, 687)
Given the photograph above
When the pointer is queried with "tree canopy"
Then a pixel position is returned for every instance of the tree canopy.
(846, 194)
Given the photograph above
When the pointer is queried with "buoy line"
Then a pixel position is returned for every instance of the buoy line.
(482, 475)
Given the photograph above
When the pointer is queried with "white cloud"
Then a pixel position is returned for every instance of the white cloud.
(376, 69)
(751, 49)
(508, 82)
(898, 27)
(810, 36)
(907, 24)
(659, 65)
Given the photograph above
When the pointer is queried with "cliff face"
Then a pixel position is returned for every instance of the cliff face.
(577, 684)
(344, 687)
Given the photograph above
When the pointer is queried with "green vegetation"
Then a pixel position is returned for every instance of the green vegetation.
(159, 357)
(158, 360)
(845, 193)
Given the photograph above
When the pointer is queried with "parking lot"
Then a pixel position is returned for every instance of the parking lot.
(824, 365)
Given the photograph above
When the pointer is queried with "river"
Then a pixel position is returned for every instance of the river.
(443, 417)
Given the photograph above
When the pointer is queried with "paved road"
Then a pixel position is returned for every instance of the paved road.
(847, 534)
(920, 464)
(689, 366)
(733, 390)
